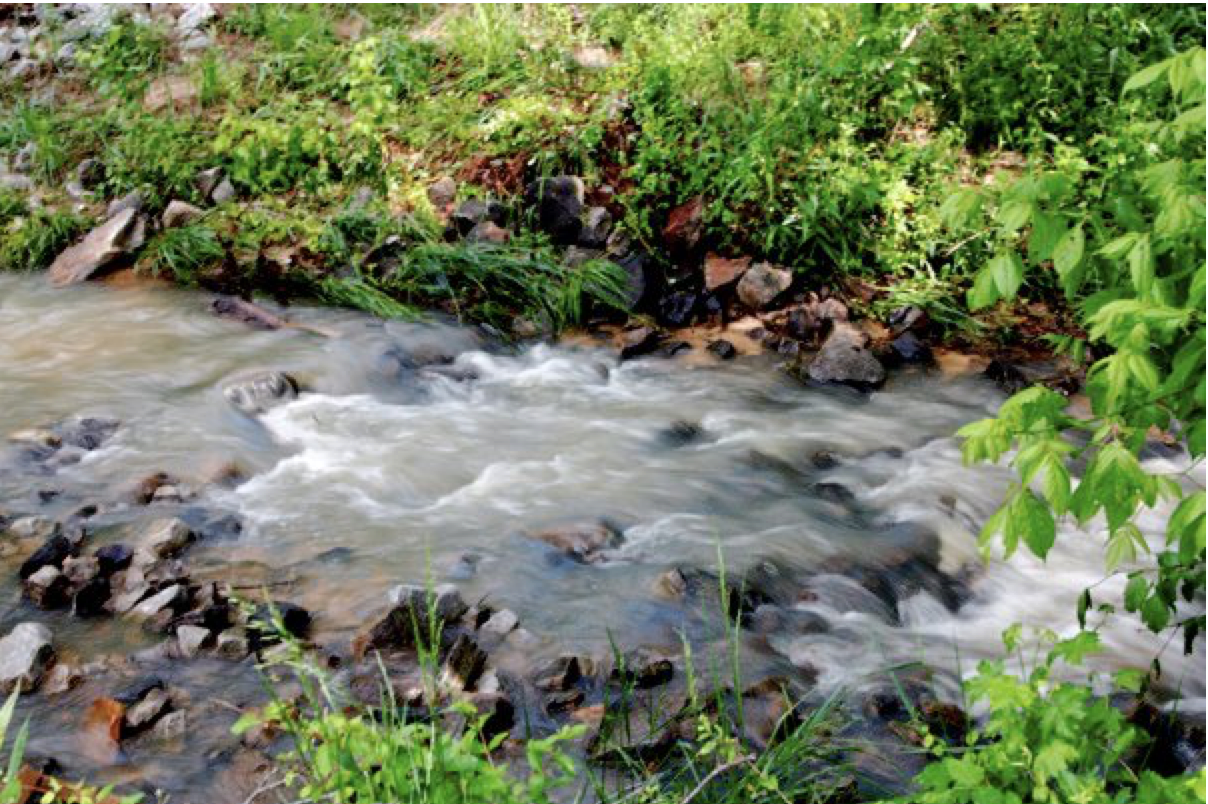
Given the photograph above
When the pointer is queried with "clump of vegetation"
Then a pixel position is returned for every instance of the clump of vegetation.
(182, 253)
(30, 242)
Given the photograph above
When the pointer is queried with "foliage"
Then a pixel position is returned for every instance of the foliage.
(31, 242)
(159, 156)
(121, 62)
(1125, 242)
(33, 124)
(1047, 740)
(182, 252)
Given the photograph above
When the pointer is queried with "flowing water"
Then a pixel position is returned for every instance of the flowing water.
(383, 471)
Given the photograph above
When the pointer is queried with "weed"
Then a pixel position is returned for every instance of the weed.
(182, 252)
(31, 242)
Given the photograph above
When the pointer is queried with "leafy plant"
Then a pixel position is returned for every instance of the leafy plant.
(1128, 249)
(1047, 740)
(31, 242)
(121, 62)
(182, 252)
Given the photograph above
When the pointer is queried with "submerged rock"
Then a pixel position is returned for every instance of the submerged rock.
(52, 553)
(26, 653)
(257, 392)
(583, 543)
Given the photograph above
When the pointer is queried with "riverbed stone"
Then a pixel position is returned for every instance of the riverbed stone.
(165, 538)
(191, 639)
(53, 552)
(846, 359)
(80, 570)
(643, 669)
(257, 392)
(722, 349)
(47, 588)
(167, 600)
(763, 284)
(559, 674)
(33, 527)
(500, 624)
(584, 543)
(464, 664)
(143, 714)
(90, 598)
(101, 249)
(908, 349)
(414, 610)
(232, 645)
(113, 558)
(26, 653)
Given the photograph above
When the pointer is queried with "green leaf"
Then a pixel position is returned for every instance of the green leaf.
(1014, 216)
(1036, 523)
(1007, 270)
(1147, 76)
(1135, 593)
(983, 293)
(1155, 613)
(1141, 265)
(1047, 232)
(1068, 251)
(1118, 248)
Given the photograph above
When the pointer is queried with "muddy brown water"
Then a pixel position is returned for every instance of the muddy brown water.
(384, 472)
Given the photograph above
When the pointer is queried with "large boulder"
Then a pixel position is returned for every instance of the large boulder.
(558, 203)
(25, 655)
(762, 284)
(101, 249)
(845, 358)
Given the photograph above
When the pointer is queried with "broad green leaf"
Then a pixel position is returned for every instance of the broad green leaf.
(1047, 231)
(1007, 270)
(1155, 613)
(1036, 523)
(1147, 76)
(984, 292)
(1014, 216)
(1141, 266)
(1118, 248)
(1135, 593)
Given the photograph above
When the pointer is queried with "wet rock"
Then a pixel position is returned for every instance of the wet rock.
(171, 727)
(87, 433)
(845, 359)
(179, 213)
(824, 459)
(414, 612)
(113, 558)
(168, 601)
(246, 312)
(499, 624)
(47, 588)
(563, 701)
(488, 232)
(681, 433)
(81, 570)
(40, 437)
(559, 675)
(1009, 378)
(232, 645)
(267, 620)
(62, 678)
(597, 224)
(721, 272)
(53, 552)
(639, 342)
(26, 653)
(723, 349)
(908, 349)
(678, 309)
(684, 228)
(142, 715)
(583, 543)
(257, 392)
(33, 527)
(101, 249)
(643, 669)
(442, 193)
(634, 266)
(558, 203)
(814, 318)
(834, 492)
(763, 284)
(474, 211)
(768, 712)
(192, 639)
(90, 598)
(464, 664)
(165, 538)
(674, 348)
(495, 711)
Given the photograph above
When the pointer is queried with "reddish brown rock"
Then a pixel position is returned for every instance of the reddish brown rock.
(723, 271)
(685, 226)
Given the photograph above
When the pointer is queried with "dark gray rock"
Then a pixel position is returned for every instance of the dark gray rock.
(558, 204)
(723, 349)
(47, 588)
(908, 349)
(846, 359)
(597, 224)
(52, 553)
